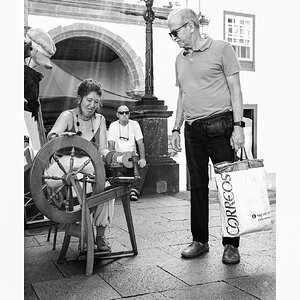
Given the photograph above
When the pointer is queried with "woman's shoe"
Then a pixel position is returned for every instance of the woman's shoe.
(84, 248)
(133, 195)
(102, 244)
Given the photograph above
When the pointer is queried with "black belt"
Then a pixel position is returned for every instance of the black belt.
(223, 115)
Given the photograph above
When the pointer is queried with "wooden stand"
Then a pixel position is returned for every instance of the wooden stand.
(84, 231)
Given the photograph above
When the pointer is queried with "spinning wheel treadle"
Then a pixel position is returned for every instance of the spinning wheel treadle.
(46, 203)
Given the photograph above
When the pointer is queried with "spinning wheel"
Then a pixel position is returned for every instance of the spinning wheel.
(63, 211)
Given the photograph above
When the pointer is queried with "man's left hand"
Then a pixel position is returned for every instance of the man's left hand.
(237, 139)
(142, 162)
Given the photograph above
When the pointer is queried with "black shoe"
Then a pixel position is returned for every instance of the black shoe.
(231, 255)
(195, 249)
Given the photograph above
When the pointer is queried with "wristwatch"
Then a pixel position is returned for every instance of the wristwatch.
(176, 129)
(240, 123)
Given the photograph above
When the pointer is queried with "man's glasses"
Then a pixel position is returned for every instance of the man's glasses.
(174, 32)
(123, 112)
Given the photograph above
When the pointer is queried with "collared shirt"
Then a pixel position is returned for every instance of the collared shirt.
(205, 44)
(202, 78)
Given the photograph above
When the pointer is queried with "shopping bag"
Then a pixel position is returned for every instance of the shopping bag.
(243, 196)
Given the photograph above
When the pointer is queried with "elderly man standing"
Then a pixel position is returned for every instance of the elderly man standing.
(123, 135)
(210, 102)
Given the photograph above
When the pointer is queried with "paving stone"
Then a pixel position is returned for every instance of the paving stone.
(215, 233)
(137, 281)
(162, 211)
(175, 216)
(144, 218)
(29, 293)
(36, 231)
(152, 296)
(264, 237)
(146, 204)
(43, 271)
(207, 268)
(40, 254)
(209, 291)
(145, 257)
(75, 288)
(168, 238)
(261, 263)
(176, 225)
(30, 241)
(171, 201)
(119, 239)
(261, 286)
(71, 268)
(42, 239)
(146, 228)
(251, 245)
(271, 252)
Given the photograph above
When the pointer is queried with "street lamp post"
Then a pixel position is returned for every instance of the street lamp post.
(149, 17)
(151, 113)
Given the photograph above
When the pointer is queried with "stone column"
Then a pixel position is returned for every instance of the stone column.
(163, 171)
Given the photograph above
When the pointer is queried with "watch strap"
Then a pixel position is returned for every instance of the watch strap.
(176, 129)
(240, 123)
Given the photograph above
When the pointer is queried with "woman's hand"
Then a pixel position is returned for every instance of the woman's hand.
(142, 162)
(67, 133)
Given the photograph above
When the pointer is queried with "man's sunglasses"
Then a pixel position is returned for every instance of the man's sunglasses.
(174, 32)
(123, 112)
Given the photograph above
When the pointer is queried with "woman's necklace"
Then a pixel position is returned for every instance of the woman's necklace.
(85, 119)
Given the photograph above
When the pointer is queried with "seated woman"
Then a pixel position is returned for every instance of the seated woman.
(84, 121)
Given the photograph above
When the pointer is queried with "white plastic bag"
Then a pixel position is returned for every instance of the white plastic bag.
(243, 197)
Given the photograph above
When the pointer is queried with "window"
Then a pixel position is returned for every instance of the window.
(239, 32)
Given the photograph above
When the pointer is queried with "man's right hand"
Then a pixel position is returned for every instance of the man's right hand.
(175, 141)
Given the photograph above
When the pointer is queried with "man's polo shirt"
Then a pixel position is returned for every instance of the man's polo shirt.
(202, 78)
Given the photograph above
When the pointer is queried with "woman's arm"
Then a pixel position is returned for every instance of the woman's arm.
(62, 124)
(103, 137)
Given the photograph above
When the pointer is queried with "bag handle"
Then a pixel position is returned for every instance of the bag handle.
(243, 150)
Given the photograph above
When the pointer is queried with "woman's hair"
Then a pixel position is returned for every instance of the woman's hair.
(87, 86)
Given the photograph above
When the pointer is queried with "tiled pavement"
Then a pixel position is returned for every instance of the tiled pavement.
(158, 271)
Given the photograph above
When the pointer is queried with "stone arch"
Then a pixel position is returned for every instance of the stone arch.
(131, 61)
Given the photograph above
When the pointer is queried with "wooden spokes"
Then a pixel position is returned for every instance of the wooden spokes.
(57, 204)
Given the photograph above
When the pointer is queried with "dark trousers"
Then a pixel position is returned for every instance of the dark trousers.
(200, 144)
(137, 186)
